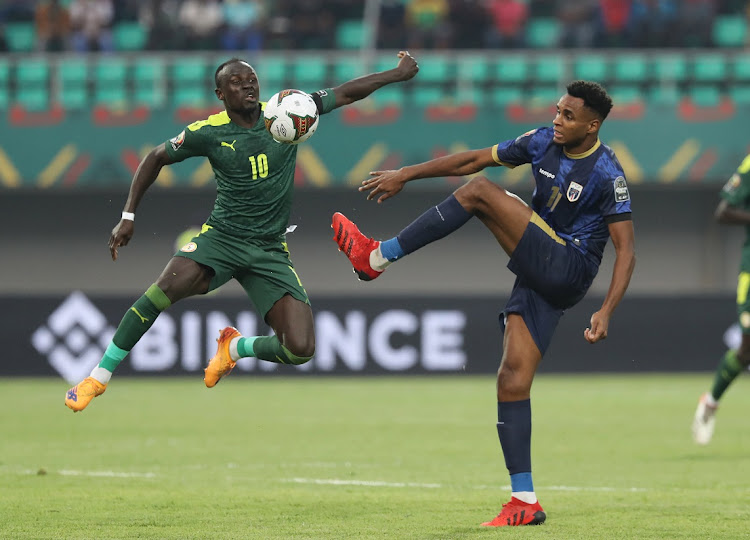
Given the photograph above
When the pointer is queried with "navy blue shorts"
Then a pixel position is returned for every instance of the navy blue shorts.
(551, 276)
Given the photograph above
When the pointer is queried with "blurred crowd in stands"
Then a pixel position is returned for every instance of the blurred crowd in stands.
(87, 25)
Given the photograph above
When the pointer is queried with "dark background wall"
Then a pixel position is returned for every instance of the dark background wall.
(55, 242)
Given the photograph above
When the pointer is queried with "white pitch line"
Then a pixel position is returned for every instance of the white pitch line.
(98, 474)
(369, 483)
(379, 483)
(107, 474)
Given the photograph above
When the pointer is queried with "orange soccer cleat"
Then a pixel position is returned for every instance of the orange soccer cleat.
(81, 394)
(516, 512)
(355, 245)
(221, 364)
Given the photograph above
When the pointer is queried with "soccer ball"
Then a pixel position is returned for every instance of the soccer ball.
(291, 116)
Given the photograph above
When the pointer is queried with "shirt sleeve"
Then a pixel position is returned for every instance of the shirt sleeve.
(187, 143)
(519, 150)
(615, 201)
(737, 189)
(325, 100)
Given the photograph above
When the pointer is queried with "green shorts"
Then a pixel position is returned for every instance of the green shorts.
(263, 268)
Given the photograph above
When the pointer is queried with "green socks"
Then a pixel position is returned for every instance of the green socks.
(136, 322)
(270, 349)
(728, 369)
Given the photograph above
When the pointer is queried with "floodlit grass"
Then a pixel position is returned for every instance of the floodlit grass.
(348, 458)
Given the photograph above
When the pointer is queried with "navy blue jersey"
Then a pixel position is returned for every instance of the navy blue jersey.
(576, 195)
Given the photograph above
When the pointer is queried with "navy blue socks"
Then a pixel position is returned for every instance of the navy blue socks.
(434, 224)
(514, 431)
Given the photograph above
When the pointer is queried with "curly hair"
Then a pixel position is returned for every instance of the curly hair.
(594, 96)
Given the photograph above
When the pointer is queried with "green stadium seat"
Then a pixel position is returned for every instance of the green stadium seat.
(114, 97)
(309, 71)
(669, 67)
(741, 67)
(630, 68)
(190, 96)
(271, 70)
(34, 98)
(73, 71)
(188, 71)
(511, 69)
(740, 93)
(73, 97)
(623, 94)
(709, 67)
(470, 95)
(549, 68)
(591, 67)
(149, 82)
(544, 96)
(21, 36)
(434, 69)
(350, 34)
(32, 73)
(4, 84)
(542, 32)
(424, 96)
(730, 31)
(504, 96)
(388, 95)
(665, 95)
(111, 71)
(705, 95)
(475, 69)
(129, 36)
(346, 69)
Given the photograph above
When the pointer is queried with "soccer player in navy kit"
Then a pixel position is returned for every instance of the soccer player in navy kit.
(555, 248)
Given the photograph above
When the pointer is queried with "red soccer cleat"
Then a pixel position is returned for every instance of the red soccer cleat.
(355, 245)
(517, 512)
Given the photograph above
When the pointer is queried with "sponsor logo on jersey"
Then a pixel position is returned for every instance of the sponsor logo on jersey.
(189, 247)
(546, 173)
(176, 142)
(574, 191)
(621, 190)
(228, 145)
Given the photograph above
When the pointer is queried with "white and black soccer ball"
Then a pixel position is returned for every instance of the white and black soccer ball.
(291, 116)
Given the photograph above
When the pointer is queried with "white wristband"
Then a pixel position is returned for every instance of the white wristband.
(128, 215)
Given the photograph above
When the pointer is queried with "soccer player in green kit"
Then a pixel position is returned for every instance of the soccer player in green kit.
(243, 237)
(733, 209)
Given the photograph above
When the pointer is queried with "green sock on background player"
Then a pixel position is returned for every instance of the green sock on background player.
(136, 322)
(728, 369)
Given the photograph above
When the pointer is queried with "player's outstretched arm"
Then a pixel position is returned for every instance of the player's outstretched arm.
(144, 176)
(727, 214)
(386, 184)
(623, 238)
(361, 87)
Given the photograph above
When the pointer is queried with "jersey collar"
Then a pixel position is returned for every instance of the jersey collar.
(587, 153)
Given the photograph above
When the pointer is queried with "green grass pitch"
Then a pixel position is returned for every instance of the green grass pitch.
(348, 458)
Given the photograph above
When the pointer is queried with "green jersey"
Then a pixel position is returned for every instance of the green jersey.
(254, 173)
(737, 193)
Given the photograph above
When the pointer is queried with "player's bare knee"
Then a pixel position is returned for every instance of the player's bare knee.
(511, 383)
(473, 192)
(302, 347)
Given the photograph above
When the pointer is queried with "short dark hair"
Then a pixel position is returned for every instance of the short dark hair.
(222, 66)
(594, 96)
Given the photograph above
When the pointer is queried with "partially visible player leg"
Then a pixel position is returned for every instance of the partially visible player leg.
(732, 364)
(180, 278)
(502, 212)
(293, 342)
(521, 356)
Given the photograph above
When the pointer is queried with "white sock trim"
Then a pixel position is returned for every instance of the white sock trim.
(234, 355)
(377, 261)
(100, 374)
(529, 497)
